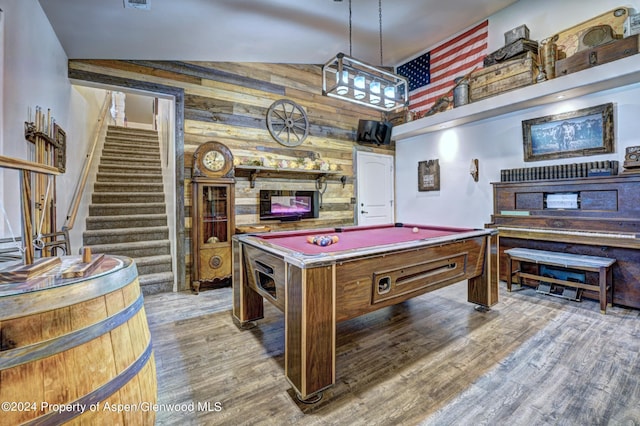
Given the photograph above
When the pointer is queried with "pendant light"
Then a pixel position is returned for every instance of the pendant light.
(349, 79)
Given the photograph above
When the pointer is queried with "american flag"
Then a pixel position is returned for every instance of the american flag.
(431, 74)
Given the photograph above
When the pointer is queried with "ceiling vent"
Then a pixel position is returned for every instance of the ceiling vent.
(137, 4)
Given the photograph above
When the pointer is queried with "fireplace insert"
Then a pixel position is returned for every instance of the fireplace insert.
(288, 205)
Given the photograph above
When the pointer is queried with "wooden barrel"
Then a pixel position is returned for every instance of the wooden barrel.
(77, 350)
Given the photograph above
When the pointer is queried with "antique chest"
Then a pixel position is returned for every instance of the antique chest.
(502, 77)
(514, 50)
(599, 55)
(516, 34)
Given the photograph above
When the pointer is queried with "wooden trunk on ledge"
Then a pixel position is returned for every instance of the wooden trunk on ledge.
(499, 78)
(598, 55)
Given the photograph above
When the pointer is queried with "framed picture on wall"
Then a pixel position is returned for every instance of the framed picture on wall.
(60, 143)
(429, 175)
(587, 131)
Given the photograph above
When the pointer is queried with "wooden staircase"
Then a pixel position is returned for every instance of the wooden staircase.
(127, 214)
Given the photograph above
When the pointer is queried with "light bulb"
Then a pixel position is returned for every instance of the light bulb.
(358, 83)
(389, 96)
(374, 92)
(343, 83)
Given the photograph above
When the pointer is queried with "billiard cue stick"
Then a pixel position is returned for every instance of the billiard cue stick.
(27, 233)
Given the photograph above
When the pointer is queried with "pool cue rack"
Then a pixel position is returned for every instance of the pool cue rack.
(49, 149)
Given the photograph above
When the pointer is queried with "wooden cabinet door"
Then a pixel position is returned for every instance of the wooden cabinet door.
(212, 229)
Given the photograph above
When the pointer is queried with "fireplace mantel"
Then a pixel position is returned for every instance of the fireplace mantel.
(253, 172)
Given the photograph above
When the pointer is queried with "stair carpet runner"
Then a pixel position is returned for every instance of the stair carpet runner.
(127, 214)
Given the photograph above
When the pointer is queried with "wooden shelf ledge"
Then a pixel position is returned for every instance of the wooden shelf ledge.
(253, 172)
(620, 73)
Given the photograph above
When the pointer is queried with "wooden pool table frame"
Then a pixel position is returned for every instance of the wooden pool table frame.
(315, 292)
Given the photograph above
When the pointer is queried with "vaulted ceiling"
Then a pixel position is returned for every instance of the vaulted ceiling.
(277, 31)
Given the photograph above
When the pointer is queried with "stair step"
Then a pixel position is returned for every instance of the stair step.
(125, 221)
(116, 143)
(126, 177)
(134, 249)
(140, 135)
(116, 128)
(154, 264)
(127, 135)
(130, 162)
(117, 209)
(125, 235)
(113, 150)
(131, 186)
(130, 159)
(131, 132)
(126, 197)
(156, 283)
(117, 152)
(120, 168)
(122, 144)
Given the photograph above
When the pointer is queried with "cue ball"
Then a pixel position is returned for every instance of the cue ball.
(415, 230)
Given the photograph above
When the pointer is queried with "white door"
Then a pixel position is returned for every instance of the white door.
(375, 188)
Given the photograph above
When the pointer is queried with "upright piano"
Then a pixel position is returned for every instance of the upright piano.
(597, 216)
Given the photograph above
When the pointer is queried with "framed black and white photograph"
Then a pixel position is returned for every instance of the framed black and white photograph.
(588, 131)
(429, 175)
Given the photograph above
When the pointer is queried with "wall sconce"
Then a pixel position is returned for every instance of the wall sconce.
(473, 169)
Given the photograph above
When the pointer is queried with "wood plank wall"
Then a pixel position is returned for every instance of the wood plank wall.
(228, 103)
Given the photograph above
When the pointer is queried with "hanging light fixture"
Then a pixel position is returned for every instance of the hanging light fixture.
(347, 78)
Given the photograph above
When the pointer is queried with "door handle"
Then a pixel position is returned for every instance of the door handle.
(363, 212)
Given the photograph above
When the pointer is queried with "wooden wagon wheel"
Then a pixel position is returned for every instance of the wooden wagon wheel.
(287, 122)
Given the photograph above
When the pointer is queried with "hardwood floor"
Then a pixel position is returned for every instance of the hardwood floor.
(434, 360)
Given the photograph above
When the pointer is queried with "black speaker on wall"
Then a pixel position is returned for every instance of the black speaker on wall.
(377, 132)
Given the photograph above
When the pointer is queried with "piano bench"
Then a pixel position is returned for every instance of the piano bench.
(600, 265)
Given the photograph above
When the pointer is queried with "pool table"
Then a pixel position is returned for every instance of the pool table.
(368, 268)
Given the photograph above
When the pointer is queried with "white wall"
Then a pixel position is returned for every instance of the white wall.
(139, 109)
(89, 101)
(497, 142)
(35, 74)
(166, 133)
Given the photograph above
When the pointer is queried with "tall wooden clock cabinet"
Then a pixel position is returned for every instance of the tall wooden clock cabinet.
(212, 214)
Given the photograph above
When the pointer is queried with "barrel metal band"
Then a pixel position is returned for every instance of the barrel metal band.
(37, 351)
(93, 398)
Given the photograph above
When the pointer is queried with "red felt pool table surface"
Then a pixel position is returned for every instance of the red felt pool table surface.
(355, 237)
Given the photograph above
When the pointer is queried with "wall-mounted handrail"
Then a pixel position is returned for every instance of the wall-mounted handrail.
(82, 180)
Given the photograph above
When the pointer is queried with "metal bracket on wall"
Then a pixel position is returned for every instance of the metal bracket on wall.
(252, 178)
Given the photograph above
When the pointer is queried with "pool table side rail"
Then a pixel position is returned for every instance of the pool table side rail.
(314, 260)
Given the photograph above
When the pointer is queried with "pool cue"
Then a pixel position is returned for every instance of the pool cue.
(27, 230)
(46, 227)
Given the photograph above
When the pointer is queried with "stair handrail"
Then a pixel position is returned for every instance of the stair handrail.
(82, 180)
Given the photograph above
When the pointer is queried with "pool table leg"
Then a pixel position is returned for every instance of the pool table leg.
(483, 289)
(310, 330)
(248, 306)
